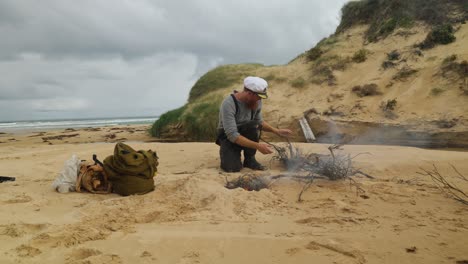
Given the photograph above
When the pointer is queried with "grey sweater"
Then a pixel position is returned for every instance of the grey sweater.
(228, 120)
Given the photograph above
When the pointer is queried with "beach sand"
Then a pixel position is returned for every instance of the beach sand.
(401, 217)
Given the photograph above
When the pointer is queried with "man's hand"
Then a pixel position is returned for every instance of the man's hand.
(284, 133)
(264, 148)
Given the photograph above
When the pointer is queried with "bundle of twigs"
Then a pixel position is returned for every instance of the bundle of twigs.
(336, 166)
(448, 188)
(248, 182)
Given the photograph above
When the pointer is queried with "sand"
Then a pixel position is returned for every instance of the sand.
(192, 218)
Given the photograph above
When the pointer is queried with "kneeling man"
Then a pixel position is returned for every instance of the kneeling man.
(240, 122)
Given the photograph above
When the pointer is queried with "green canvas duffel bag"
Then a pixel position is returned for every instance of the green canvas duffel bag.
(130, 171)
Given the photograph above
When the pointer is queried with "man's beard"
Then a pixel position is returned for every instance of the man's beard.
(252, 105)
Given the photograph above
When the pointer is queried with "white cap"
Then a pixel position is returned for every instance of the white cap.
(257, 85)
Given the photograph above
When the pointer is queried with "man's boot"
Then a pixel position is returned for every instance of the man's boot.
(251, 131)
(252, 163)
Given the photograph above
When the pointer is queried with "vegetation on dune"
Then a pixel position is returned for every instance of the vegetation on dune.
(299, 82)
(322, 68)
(442, 34)
(360, 56)
(314, 53)
(436, 91)
(197, 121)
(404, 73)
(366, 90)
(450, 65)
(388, 108)
(221, 77)
(322, 47)
(169, 118)
(455, 72)
(273, 78)
(200, 122)
(393, 55)
(269, 78)
(384, 16)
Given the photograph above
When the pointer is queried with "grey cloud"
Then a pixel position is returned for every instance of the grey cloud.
(141, 56)
(260, 30)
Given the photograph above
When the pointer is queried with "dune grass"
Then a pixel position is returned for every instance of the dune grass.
(299, 82)
(360, 56)
(169, 118)
(221, 77)
(201, 120)
(384, 16)
(197, 121)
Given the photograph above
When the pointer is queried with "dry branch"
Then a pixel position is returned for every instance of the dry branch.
(336, 166)
(443, 185)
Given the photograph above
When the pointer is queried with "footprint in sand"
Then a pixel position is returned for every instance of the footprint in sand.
(147, 257)
(25, 251)
(82, 253)
(292, 251)
(19, 230)
(89, 255)
(22, 198)
(190, 258)
(345, 254)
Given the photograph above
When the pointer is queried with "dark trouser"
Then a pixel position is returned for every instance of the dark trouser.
(230, 153)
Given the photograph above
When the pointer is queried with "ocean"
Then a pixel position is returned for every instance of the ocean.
(12, 126)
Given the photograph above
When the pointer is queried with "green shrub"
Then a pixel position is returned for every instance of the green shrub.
(442, 34)
(314, 53)
(221, 77)
(323, 74)
(323, 67)
(390, 105)
(393, 55)
(299, 82)
(404, 73)
(449, 59)
(360, 56)
(166, 119)
(436, 91)
(366, 90)
(201, 122)
(463, 70)
(388, 64)
(450, 65)
(388, 108)
(334, 62)
(384, 29)
(384, 16)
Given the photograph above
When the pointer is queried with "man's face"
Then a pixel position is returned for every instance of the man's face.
(253, 97)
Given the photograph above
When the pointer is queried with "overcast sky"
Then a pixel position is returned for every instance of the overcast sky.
(102, 58)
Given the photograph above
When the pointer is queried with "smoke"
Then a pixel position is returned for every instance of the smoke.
(366, 133)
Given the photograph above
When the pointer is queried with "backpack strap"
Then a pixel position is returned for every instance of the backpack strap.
(237, 107)
(236, 103)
